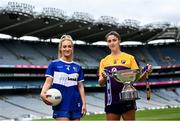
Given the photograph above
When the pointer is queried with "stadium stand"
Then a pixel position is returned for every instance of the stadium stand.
(39, 53)
(161, 98)
(7, 56)
(45, 49)
(23, 63)
(24, 52)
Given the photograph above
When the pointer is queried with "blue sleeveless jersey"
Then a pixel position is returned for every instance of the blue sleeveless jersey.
(66, 76)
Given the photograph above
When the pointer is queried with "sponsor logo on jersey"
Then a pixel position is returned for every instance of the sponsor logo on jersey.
(65, 79)
(70, 77)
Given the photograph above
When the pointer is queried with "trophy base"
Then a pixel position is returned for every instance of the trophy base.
(129, 96)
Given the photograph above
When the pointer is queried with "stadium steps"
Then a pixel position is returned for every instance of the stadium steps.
(99, 103)
(4, 117)
(23, 107)
(163, 94)
(90, 62)
(158, 99)
(156, 54)
(142, 55)
(172, 95)
(144, 104)
(160, 96)
(154, 102)
(93, 52)
(99, 96)
(38, 51)
(161, 56)
(48, 51)
(94, 104)
(147, 103)
(178, 91)
(150, 58)
(12, 111)
(9, 56)
(26, 100)
(15, 54)
(25, 52)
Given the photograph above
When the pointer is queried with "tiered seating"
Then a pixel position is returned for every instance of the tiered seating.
(48, 50)
(18, 106)
(23, 105)
(168, 95)
(165, 54)
(37, 53)
(8, 58)
(21, 84)
(24, 52)
(85, 58)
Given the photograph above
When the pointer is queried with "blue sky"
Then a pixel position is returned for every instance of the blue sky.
(144, 11)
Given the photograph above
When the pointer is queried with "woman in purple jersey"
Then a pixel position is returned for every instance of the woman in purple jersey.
(117, 60)
(67, 76)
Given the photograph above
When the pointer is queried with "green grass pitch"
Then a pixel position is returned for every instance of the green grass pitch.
(171, 114)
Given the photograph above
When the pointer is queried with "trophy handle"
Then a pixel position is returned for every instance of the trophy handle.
(148, 91)
(143, 72)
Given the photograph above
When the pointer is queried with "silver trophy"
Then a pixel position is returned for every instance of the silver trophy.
(127, 77)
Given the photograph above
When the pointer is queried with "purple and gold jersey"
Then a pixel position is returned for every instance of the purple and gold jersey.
(113, 63)
(66, 76)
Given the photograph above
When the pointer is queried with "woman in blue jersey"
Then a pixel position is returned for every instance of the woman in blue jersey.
(66, 76)
(117, 60)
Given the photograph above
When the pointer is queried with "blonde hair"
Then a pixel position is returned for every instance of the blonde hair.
(62, 39)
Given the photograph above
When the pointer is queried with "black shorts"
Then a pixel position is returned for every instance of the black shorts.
(121, 107)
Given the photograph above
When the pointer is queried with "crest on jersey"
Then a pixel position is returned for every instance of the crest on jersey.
(123, 61)
(113, 69)
(68, 67)
(114, 61)
(75, 69)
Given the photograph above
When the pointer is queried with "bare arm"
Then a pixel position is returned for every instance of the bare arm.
(102, 79)
(102, 74)
(83, 97)
(45, 88)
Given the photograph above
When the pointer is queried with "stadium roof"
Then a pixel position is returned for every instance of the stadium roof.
(19, 19)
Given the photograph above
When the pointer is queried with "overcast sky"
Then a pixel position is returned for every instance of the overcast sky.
(144, 11)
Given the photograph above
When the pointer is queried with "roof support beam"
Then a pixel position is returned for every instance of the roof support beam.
(43, 29)
(98, 33)
(73, 31)
(16, 24)
(79, 29)
(154, 37)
